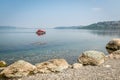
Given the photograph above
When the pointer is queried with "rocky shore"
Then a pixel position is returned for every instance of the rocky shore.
(92, 65)
(110, 70)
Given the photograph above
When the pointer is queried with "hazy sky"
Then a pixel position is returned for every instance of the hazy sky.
(52, 13)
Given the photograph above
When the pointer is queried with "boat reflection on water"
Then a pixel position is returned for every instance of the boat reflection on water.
(40, 32)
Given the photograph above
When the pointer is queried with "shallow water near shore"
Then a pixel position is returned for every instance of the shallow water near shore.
(16, 44)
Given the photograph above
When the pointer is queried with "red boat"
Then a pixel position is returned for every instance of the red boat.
(40, 32)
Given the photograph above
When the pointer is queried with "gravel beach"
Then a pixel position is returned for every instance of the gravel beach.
(110, 70)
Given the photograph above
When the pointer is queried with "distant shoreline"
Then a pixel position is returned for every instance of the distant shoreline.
(107, 25)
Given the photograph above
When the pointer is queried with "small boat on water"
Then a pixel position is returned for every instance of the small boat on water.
(40, 32)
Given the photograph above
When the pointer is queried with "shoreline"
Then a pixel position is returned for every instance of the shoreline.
(70, 57)
(109, 70)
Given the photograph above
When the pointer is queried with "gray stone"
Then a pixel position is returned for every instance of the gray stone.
(115, 55)
(18, 69)
(54, 65)
(91, 58)
(113, 45)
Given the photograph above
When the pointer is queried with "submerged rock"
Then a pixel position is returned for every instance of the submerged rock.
(3, 64)
(54, 65)
(76, 65)
(18, 69)
(92, 58)
(113, 45)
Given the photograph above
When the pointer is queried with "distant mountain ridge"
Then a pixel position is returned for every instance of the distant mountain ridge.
(106, 25)
(110, 25)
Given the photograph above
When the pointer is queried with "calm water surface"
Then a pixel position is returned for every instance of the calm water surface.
(24, 44)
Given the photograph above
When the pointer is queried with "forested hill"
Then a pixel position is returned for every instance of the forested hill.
(107, 25)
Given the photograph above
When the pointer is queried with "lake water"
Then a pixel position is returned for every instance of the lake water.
(16, 44)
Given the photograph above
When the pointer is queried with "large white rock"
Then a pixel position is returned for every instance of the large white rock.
(91, 58)
(54, 65)
(18, 69)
